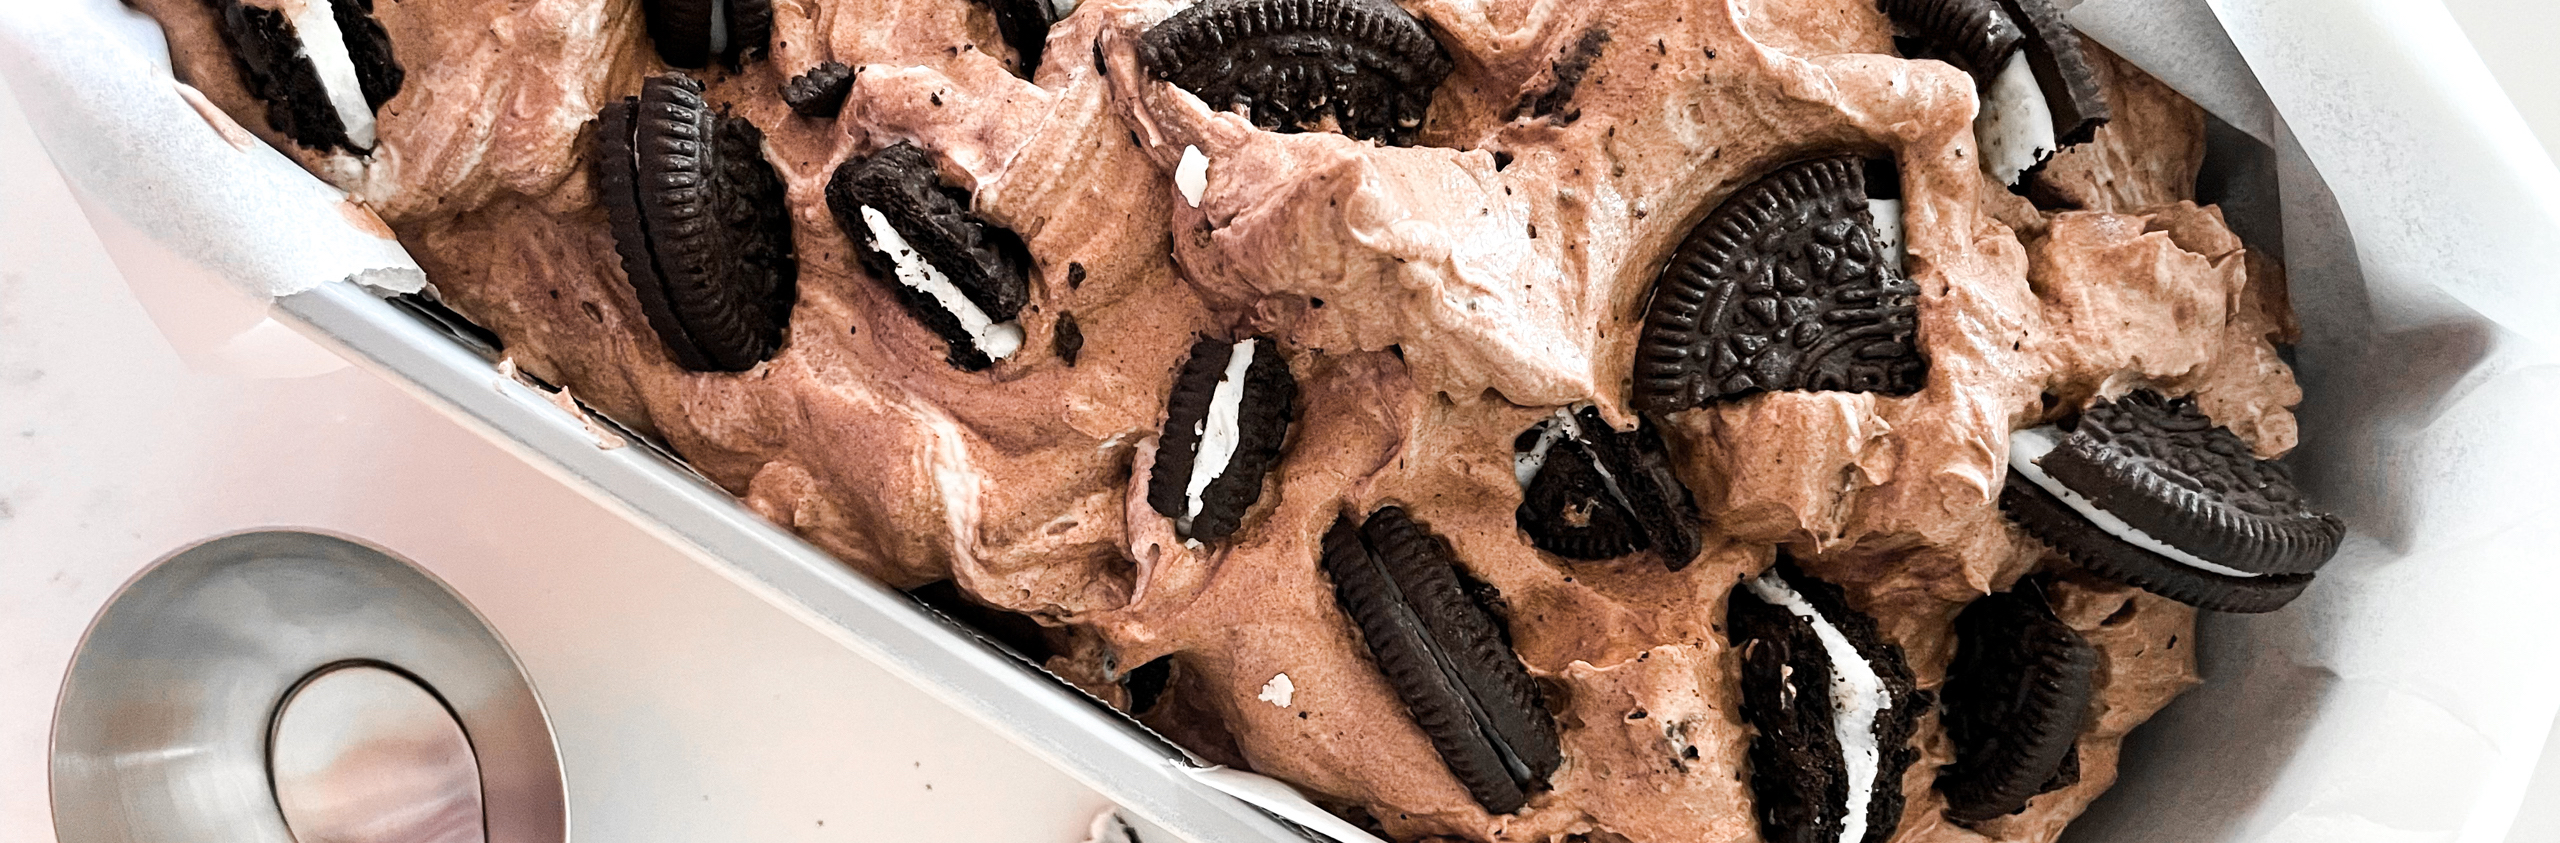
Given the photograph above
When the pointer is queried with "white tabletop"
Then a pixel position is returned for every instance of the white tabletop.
(686, 709)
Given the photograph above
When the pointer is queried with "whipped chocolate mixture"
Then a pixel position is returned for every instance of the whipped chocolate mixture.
(1434, 301)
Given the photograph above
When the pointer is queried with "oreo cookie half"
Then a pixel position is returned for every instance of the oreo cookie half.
(1445, 653)
(2150, 492)
(690, 33)
(963, 277)
(2039, 93)
(1832, 706)
(1365, 68)
(700, 222)
(2015, 699)
(1224, 429)
(322, 69)
(1589, 491)
(1785, 286)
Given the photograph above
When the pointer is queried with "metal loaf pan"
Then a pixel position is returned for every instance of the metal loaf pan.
(450, 365)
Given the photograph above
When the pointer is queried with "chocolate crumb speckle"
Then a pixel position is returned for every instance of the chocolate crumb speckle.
(1070, 338)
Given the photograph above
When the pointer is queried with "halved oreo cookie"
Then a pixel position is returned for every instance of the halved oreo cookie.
(2015, 699)
(1024, 25)
(1785, 286)
(322, 69)
(963, 277)
(2148, 491)
(1592, 492)
(1832, 707)
(700, 222)
(1223, 430)
(690, 33)
(819, 92)
(2039, 93)
(1365, 68)
(1446, 654)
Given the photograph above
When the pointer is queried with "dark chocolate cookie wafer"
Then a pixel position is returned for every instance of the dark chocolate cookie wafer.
(1785, 286)
(1365, 68)
(819, 92)
(323, 70)
(1445, 653)
(2016, 699)
(963, 277)
(699, 220)
(2149, 491)
(1832, 706)
(1224, 429)
(2062, 69)
(1974, 35)
(690, 33)
(2060, 525)
(1592, 492)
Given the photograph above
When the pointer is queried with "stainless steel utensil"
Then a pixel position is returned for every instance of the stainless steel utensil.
(409, 721)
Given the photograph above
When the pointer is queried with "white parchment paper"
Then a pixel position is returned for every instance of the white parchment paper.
(94, 79)
(2405, 697)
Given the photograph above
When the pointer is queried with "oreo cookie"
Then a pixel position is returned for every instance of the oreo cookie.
(690, 33)
(1365, 68)
(1436, 638)
(1589, 491)
(1785, 286)
(820, 92)
(2039, 92)
(323, 69)
(700, 222)
(1832, 707)
(964, 278)
(1224, 428)
(2015, 701)
(1024, 26)
(2148, 491)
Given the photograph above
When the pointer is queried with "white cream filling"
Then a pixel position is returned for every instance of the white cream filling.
(719, 27)
(1525, 465)
(2015, 127)
(316, 23)
(1192, 175)
(1218, 431)
(1060, 9)
(1858, 698)
(1887, 214)
(996, 340)
(2028, 446)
